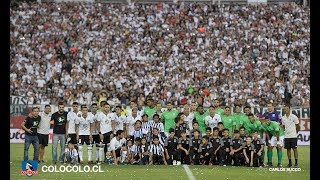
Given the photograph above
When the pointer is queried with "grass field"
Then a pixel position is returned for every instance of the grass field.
(162, 172)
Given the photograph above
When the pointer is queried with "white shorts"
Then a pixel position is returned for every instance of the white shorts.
(273, 141)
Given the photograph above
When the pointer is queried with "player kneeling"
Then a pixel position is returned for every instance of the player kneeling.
(206, 151)
(157, 153)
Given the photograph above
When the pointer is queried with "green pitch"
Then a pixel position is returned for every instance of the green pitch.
(131, 172)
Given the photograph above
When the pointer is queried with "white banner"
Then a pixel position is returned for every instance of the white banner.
(18, 136)
(304, 138)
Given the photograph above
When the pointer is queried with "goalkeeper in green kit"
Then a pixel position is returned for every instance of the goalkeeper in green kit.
(276, 140)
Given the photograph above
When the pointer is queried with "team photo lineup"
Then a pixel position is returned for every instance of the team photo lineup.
(135, 83)
(191, 136)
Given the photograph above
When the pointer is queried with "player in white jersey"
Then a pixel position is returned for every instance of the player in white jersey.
(120, 121)
(130, 108)
(188, 118)
(116, 145)
(84, 128)
(212, 119)
(290, 122)
(146, 126)
(95, 133)
(131, 121)
(43, 131)
(71, 117)
(105, 125)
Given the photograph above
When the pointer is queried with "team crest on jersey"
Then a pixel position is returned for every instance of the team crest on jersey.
(217, 140)
(258, 142)
(273, 115)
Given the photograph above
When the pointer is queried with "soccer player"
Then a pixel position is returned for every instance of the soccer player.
(272, 114)
(71, 154)
(188, 118)
(116, 145)
(60, 128)
(208, 132)
(215, 141)
(251, 124)
(144, 152)
(84, 128)
(135, 158)
(30, 126)
(227, 120)
(168, 118)
(120, 121)
(159, 109)
(200, 116)
(218, 109)
(180, 125)
(95, 133)
(258, 149)
(43, 131)
(171, 148)
(236, 148)
(205, 150)
(184, 148)
(131, 120)
(277, 138)
(213, 119)
(195, 126)
(105, 125)
(157, 124)
(225, 158)
(238, 118)
(150, 109)
(194, 148)
(71, 129)
(157, 153)
(291, 126)
(248, 151)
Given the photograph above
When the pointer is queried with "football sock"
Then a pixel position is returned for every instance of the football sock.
(296, 161)
(101, 152)
(290, 162)
(90, 152)
(123, 156)
(97, 153)
(279, 153)
(80, 152)
(269, 153)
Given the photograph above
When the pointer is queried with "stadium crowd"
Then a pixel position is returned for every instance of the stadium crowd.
(73, 51)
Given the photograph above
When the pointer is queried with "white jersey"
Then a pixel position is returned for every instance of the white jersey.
(212, 121)
(189, 120)
(290, 125)
(146, 126)
(105, 122)
(84, 124)
(156, 149)
(94, 118)
(115, 144)
(131, 122)
(71, 117)
(158, 125)
(44, 124)
(120, 121)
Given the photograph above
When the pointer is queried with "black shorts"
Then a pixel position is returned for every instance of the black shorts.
(73, 138)
(118, 152)
(96, 139)
(290, 143)
(106, 137)
(84, 139)
(43, 139)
